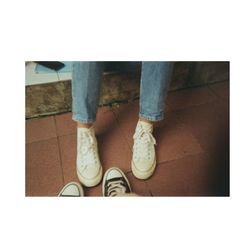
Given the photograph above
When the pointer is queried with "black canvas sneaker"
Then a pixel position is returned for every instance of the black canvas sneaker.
(115, 183)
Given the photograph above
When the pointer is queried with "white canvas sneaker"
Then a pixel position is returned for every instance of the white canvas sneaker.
(72, 189)
(89, 169)
(144, 160)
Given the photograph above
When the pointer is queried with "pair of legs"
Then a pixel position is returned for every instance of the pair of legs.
(86, 84)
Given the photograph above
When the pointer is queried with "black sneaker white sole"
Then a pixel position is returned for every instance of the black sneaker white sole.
(115, 183)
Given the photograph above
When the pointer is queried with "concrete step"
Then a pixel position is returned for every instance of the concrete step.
(121, 82)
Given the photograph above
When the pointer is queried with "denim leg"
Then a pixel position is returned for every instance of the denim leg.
(155, 79)
(86, 83)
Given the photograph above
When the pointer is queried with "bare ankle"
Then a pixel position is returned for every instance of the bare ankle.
(84, 125)
(145, 120)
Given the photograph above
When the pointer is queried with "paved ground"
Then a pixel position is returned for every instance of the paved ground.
(192, 146)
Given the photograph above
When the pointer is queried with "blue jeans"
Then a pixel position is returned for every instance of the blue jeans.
(86, 83)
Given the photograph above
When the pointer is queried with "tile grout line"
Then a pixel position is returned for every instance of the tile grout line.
(41, 140)
(144, 181)
(188, 155)
(148, 188)
(207, 86)
(123, 136)
(191, 106)
(216, 95)
(59, 150)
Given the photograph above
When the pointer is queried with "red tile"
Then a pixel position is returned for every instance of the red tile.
(94, 191)
(40, 129)
(189, 97)
(197, 175)
(114, 150)
(43, 170)
(64, 124)
(221, 90)
(67, 146)
(209, 123)
(105, 120)
(127, 116)
(174, 141)
(138, 186)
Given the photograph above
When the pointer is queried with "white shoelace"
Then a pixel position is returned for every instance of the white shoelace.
(116, 187)
(143, 138)
(87, 150)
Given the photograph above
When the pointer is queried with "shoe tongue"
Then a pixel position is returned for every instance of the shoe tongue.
(89, 130)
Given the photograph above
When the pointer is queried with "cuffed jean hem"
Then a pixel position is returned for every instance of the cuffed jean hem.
(151, 118)
(77, 118)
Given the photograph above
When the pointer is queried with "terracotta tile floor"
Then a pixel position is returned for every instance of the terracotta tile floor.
(192, 150)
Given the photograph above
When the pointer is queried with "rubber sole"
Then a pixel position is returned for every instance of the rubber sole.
(90, 182)
(143, 175)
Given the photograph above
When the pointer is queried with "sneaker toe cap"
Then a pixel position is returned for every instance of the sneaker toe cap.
(113, 173)
(143, 165)
(90, 172)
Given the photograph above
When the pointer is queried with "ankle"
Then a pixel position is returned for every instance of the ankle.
(84, 125)
(146, 123)
(145, 120)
